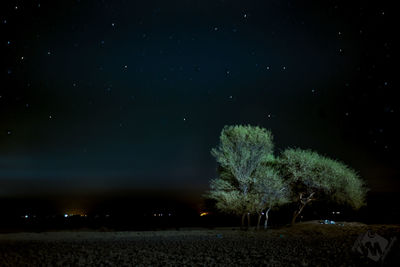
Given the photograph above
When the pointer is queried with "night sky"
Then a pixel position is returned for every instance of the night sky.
(102, 96)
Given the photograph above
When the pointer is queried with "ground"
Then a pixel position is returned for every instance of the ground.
(306, 244)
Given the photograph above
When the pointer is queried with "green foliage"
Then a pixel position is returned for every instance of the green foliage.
(246, 182)
(251, 179)
(241, 151)
(228, 198)
(269, 189)
(307, 171)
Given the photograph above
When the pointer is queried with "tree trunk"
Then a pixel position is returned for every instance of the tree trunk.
(266, 218)
(295, 214)
(303, 202)
(243, 217)
(259, 220)
(248, 220)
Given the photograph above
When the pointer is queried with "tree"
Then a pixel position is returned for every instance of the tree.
(313, 176)
(269, 191)
(240, 152)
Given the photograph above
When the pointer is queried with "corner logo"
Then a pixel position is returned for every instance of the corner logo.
(373, 246)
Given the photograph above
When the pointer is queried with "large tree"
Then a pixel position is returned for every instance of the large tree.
(313, 176)
(240, 152)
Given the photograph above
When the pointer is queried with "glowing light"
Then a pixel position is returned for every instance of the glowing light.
(203, 213)
(66, 215)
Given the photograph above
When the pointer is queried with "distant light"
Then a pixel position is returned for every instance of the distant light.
(26, 216)
(66, 215)
(203, 213)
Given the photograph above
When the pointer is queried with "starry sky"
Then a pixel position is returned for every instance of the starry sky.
(100, 96)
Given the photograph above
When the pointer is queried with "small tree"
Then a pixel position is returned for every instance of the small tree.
(311, 175)
(241, 151)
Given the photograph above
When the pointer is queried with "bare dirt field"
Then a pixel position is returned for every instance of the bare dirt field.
(306, 244)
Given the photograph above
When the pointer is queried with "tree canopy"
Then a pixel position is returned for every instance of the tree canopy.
(313, 176)
(251, 180)
(308, 172)
(241, 150)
